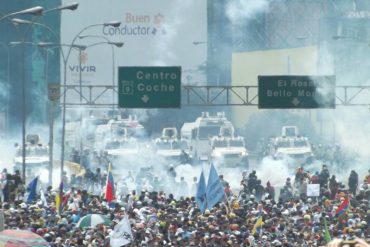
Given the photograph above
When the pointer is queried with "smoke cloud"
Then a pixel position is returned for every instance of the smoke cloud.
(241, 10)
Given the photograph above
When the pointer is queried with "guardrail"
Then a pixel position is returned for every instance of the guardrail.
(101, 95)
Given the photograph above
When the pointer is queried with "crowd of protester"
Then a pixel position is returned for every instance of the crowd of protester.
(160, 218)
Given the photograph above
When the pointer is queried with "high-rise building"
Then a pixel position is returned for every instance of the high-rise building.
(28, 64)
(286, 24)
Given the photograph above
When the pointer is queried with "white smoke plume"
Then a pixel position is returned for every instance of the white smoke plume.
(352, 130)
(3, 89)
(166, 44)
(7, 154)
(173, 30)
(241, 10)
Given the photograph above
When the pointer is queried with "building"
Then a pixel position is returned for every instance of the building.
(36, 73)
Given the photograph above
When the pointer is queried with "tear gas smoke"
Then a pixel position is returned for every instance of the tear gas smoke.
(165, 44)
(3, 90)
(7, 154)
(275, 171)
(240, 10)
(352, 131)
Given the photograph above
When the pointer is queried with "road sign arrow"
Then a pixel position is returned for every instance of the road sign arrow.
(145, 98)
(295, 101)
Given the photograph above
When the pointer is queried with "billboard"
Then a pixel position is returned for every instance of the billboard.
(154, 32)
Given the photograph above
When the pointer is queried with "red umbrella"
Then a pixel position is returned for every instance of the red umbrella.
(20, 238)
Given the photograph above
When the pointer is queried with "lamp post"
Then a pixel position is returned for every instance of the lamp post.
(17, 21)
(45, 45)
(199, 42)
(23, 107)
(70, 6)
(6, 48)
(35, 11)
(38, 10)
(51, 108)
(113, 24)
(112, 44)
(80, 48)
(117, 44)
(65, 61)
(52, 102)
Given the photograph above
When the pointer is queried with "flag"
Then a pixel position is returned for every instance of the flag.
(65, 201)
(259, 223)
(43, 198)
(326, 232)
(57, 203)
(31, 190)
(59, 199)
(343, 207)
(121, 234)
(130, 203)
(200, 196)
(109, 187)
(215, 190)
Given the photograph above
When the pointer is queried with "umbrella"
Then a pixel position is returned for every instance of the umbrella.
(91, 220)
(20, 238)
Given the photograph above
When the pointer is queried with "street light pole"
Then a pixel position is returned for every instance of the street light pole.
(6, 48)
(70, 6)
(65, 61)
(118, 44)
(23, 43)
(35, 11)
(112, 44)
(17, 21)
(51, 119)
(112, 23)
(38, 10)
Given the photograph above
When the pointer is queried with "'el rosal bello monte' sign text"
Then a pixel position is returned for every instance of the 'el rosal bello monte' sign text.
(296, 92)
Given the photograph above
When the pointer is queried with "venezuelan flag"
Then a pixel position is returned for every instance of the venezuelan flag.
(343, 207)
(109, 187)
(259, 223)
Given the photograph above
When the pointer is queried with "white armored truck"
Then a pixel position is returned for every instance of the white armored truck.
(292, 145)
(36, 156)
(170, 148)
(229, 150)
(198, 134)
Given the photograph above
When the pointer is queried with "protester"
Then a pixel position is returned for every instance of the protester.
(353, 182)
(156, 218)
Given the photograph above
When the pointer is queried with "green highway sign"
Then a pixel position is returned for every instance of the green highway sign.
(296, 92)
(149, 87)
